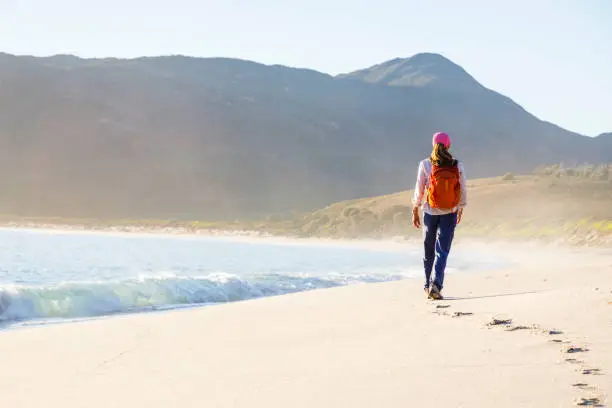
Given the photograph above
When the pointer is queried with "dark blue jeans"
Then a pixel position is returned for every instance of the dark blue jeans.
(438, 236)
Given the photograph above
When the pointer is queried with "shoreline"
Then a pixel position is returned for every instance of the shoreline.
(253, 236)
(240, 236)
(493, 258)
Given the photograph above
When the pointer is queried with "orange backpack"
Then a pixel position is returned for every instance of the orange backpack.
(444, 191)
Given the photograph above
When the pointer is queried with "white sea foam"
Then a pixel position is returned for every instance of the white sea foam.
(89, 299)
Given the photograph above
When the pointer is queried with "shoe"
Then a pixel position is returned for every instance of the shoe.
(434, 293)
(428, 293)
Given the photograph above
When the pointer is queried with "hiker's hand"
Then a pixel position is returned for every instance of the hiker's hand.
(459, 214)
(416, 220)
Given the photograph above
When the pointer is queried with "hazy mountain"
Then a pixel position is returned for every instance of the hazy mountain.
(223, 138)
(422, 70)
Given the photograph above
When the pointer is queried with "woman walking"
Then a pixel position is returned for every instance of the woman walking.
(441, 191)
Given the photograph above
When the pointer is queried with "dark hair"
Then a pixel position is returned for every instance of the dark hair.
(440, 156)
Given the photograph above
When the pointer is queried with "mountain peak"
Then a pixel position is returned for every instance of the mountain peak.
(423, 69)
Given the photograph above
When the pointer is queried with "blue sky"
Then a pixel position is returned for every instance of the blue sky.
(552, 57)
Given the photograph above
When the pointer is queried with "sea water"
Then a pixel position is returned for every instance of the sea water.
(48, 275)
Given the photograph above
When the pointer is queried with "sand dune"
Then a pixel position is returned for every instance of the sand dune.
(379, 345)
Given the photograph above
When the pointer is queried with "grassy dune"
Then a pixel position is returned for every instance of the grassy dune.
(570, 205)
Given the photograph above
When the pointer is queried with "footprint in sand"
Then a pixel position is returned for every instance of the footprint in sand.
(573, 361)
(591, 371)
(589, 402)
(521, 327)
(557, 333)
(460, 314)
(575, 349)
(440, 312)
(499, 322)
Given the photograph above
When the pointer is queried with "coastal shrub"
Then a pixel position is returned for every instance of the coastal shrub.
(323, 219)
(350, 212)
(599, 172)
(397, 214)
(401, 218)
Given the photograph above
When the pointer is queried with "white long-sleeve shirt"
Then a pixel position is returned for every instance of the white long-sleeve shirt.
(422, 184)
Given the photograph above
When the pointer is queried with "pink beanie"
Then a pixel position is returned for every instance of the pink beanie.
(443, 138)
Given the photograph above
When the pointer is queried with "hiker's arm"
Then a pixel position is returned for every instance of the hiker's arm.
(419, 188)
(417, 198)
(463, 183)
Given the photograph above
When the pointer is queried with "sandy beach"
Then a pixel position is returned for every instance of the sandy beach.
(373, 345)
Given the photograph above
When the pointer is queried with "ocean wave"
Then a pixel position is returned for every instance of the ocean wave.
(71, 300)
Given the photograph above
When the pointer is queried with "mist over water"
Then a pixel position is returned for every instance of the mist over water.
(50, 275)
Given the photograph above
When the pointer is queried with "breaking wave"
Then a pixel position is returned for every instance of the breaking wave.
(71, 300)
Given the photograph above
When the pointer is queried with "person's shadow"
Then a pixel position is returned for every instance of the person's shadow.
(489, 296)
